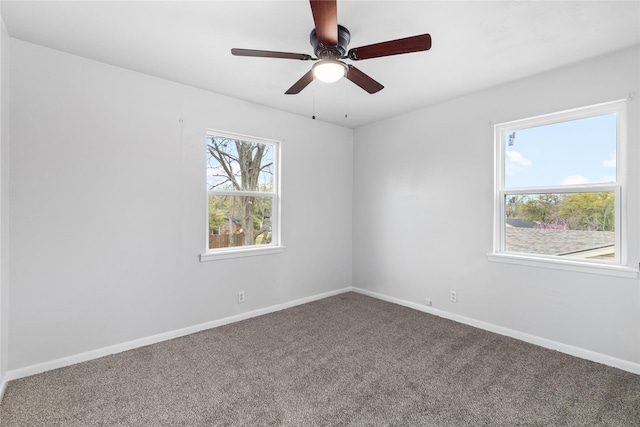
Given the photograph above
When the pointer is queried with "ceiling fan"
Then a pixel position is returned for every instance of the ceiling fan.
(330, 41)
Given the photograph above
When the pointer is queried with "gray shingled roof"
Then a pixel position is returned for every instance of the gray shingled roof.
(517, 222)
(556, 242)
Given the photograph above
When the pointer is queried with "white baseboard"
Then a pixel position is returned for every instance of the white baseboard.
(130, 345)
(3, 387)
(582, 353)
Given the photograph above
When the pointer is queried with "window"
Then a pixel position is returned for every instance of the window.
(560, 187)
(242, 194)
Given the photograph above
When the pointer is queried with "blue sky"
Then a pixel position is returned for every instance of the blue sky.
(575, 152)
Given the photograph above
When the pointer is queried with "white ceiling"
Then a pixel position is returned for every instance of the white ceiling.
(476, 45)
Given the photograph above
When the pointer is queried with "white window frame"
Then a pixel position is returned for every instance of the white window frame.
(619, 266)
(253, 250)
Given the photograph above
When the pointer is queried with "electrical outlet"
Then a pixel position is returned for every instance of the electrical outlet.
(427, 301)
(241, 296)
(453, 296)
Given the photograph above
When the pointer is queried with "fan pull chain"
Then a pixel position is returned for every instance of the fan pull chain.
(346, 103)
(313, 102)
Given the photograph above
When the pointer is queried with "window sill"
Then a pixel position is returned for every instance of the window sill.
(240, 253)
(567, 265)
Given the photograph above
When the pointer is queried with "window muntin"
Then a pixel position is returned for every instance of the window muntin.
(559, 186)
(242, 192)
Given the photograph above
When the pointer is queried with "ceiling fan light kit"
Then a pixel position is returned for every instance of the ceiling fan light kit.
(329, 70)
(330, 41)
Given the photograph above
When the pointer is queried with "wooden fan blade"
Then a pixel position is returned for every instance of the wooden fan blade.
(363, 80)
(325, 17)
(300, 84)
(392, 47)
(270, 54)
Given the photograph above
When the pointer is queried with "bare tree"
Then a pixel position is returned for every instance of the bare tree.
(240, 164)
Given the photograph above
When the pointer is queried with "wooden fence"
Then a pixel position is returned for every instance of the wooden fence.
(225, 240)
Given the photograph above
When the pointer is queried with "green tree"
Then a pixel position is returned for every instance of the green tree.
(589, 211)
(514, 206)
(216, 214)
(542, 209)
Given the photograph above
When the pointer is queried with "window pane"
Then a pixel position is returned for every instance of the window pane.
(239, 221)
(579, 225)
(579, 151)
(233, 164)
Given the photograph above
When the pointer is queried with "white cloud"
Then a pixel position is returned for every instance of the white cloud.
(610, 162)
(575, 179)
(517, 158)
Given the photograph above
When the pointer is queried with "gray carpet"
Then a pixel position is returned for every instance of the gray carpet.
(348, 360)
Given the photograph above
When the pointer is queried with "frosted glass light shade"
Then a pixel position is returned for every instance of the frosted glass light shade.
(329, 70)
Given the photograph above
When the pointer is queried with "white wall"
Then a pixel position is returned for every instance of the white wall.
(107, 210)
(423, 212)
(108, 207)
(4, 200)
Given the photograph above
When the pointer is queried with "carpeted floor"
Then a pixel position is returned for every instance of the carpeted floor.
(348, 360)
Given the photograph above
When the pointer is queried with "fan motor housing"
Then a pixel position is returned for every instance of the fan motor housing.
(331, 52)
